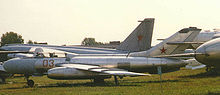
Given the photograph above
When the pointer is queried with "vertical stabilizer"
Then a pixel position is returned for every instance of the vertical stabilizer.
(176, 43)
(140, 38)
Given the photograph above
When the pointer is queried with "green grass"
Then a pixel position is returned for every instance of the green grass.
(183, 82)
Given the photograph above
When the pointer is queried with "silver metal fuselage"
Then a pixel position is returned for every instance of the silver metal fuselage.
(137, 64)
(211, 51)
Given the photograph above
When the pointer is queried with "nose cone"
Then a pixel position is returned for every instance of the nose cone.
(201, 57)
(210, 53)
(9, 65)
(19, 66)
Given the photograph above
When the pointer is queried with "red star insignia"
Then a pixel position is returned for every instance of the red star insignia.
(163, 50)
(140, 37)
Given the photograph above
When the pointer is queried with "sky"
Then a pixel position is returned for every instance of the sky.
(60, 22)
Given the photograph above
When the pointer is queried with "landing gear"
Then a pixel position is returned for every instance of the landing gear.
(30, 83)
(98, 80)
(208, 68)
(101, 80)
(116, 80)
(2, 80)
(212, 70)
(121, 77)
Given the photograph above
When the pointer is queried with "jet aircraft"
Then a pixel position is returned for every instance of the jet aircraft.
(208, 54)
(138, 40)
(102, 67)
(201, 38)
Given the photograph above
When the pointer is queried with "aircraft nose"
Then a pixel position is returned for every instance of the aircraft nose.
(201, 57)
(19, 66)
(209, 53)
(9, 65)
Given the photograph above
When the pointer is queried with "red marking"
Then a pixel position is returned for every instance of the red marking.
(163, 50)
(140, 37)
(48, 63)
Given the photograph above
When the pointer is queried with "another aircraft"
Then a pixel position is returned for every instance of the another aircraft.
(202, 37)
(102, 67)
(138, 40)
(208, 54)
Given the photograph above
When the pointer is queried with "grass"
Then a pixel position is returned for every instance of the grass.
(183, 82)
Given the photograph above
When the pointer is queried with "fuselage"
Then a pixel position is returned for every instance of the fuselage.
(211, 53)
(137, 64)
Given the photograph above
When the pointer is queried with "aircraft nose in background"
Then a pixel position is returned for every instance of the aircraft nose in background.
(210, 52)
(202, 50)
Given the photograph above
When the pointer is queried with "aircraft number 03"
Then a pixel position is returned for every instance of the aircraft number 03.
(48, 63)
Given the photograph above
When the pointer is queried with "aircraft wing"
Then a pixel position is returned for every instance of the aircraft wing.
(98, 69)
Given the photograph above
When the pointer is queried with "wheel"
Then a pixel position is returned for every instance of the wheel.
(2, 80)
(208, 68)
(99, 80)
(121, 77)
(30, 83)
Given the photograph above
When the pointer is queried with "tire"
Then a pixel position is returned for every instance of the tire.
(30, 83)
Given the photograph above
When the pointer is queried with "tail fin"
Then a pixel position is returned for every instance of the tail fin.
(140, 38)
(163, 48)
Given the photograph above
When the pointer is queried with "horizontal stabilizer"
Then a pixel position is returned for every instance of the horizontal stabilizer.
(183, 43)
(181, 55)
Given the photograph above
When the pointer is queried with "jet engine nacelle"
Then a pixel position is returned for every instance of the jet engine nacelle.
(72, 73)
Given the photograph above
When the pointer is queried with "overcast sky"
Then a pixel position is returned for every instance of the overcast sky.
(68, 22)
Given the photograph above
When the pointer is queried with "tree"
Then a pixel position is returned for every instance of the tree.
(11, 38)
(30, 42)
(90, 41)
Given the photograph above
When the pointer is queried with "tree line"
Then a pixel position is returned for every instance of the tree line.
(14, 38)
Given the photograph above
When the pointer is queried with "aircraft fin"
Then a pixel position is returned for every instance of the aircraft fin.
(140, 38)
(163, 48)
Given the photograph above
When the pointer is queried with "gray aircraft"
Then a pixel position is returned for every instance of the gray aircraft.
(102, 67)
(201, 38)
(138, 40)
(208, 54)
